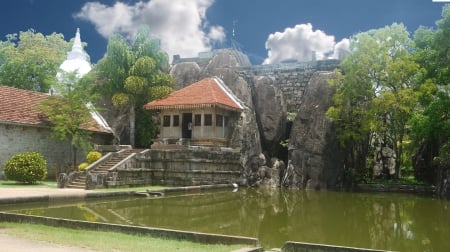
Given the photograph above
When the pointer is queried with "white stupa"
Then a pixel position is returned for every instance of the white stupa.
(77, 60)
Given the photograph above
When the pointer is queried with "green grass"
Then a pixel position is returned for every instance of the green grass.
(406, 181)
(15, 184)
(105, 241)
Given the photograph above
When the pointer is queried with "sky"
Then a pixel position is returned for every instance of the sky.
(268, 31)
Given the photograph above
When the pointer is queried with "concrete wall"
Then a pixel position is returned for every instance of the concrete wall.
(17, 139)
(314, 247)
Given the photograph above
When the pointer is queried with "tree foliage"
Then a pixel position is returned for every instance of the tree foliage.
(31, 60)
(69, 115)
(376, 95)
(131, 74)
(431, 123)
(28, 167)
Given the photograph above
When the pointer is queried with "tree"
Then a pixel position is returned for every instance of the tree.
(128, 73)
(31, 60)
(431, 124)
(376, 96)
(69, 115)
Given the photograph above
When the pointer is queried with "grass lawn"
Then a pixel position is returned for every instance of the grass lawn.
(105, 241)
(99, 240)
(15, 184)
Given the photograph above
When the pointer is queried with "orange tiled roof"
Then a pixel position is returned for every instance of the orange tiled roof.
(207, 92)
(17, 106)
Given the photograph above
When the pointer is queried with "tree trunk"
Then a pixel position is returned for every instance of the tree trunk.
(132, 125)
(399, 153)
(74, 157)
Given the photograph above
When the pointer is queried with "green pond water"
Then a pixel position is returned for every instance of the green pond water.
(399, 222)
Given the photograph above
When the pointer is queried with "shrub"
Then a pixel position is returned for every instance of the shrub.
(27, 167)
(83, 166)
(93, 156)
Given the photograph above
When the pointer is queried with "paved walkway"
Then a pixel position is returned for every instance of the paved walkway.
(11, 193)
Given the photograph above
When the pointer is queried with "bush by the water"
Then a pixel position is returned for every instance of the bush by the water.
(93, 156)
(83, 166)
(28, 167)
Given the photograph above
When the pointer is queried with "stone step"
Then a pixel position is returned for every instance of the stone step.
(76, 186)
(83, 183)
(99, 172)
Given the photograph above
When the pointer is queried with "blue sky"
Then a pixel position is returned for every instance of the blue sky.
(268, 31)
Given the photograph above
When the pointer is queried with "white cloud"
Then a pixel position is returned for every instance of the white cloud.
(301, 43)
(180, 25)
(341, 49)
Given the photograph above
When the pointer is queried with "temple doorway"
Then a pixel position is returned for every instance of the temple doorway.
(187, 126)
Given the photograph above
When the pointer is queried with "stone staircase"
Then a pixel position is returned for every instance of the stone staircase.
(80, 181)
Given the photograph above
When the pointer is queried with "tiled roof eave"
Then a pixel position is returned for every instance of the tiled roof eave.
(47, 126)
(191, 106)
(39, 125)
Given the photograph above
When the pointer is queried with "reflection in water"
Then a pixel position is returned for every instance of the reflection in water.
(379, 221)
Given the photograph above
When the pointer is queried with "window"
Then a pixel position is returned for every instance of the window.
(176, 120)
(197, 120)
(208, 119)
(166, 121)
(219, 120)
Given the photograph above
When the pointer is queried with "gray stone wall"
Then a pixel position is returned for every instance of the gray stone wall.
(17, 139)
(291, 78)
(188, 167)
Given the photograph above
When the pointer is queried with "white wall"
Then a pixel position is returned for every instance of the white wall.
(202, 131)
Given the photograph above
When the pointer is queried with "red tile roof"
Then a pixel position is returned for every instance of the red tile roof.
(17, 106)
(208, 92)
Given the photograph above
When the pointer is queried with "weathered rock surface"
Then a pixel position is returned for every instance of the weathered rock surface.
(313, 155)
(185, 73)
(314, 159)
(270, 108)
(246, 133)
(226, 58)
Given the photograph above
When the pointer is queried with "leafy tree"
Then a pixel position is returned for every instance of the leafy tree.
(376, 96)
(69, 115)
(129, 74)
(432, 123)
(31, 60)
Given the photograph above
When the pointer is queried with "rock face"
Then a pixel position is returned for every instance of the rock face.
(313, 153)
(246, 133)
(185, 73)
(271, 113)
(313, 150)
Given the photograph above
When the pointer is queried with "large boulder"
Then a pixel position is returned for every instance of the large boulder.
(270, 108)
(245, 135)
(226, 58)
(314, 153)
(185, 73)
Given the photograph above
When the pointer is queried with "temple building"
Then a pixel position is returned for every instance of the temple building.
(201, 114)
